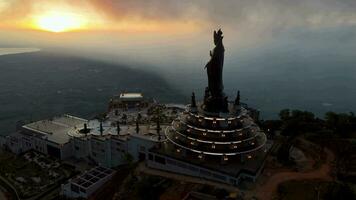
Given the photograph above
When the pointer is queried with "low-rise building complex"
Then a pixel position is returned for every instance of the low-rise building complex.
(215, 139)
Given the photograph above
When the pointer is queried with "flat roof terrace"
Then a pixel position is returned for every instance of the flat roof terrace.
(56, 129)
(147, 131)
(92, 176)
(131, 95)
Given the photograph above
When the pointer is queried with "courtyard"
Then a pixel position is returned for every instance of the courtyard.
(32, 175)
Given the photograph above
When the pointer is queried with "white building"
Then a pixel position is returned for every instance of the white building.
(46, 136)
(87, 183)
(129, 101)
(63, 137)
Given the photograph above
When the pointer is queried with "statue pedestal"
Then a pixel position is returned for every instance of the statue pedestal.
(216, 104)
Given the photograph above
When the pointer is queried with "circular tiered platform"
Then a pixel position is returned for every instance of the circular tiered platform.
(225, 137)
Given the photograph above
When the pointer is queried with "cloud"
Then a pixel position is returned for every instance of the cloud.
(234, 12)
(14, 9)
(257, 17)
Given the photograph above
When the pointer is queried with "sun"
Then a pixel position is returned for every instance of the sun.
(59, 22)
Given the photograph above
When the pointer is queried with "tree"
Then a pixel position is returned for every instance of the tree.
(297, 121)
(149, 188)
(341, 123)
(221, 194)
(284, 114)
(340, 191)
(128, 158)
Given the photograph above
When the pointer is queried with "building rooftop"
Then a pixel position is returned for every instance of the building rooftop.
(130, 95)
(61, 129)
(56, 129)
(92, 176)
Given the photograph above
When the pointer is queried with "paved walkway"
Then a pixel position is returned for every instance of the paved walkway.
(269, 188)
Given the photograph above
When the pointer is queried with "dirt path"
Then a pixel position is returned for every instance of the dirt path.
(2, 195)
(269, 188)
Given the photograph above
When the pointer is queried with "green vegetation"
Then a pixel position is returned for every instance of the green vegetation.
(342, 123)
(336, 131)
(149, 188)
(129, 159)
(295, 122)
(144, 187)
(296, 190)
(31, 174)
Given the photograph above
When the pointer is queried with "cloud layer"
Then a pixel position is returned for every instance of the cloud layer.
(236, 14)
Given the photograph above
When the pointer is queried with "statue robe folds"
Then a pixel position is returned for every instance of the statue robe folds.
(216, 101)
(215, 66)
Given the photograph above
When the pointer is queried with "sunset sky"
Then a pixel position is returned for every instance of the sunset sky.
(107, 24)
(171, 15)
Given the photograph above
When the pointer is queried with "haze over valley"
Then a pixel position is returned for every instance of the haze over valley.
(294, 70)
(280, 54)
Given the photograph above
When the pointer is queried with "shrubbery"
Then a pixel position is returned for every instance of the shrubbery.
(294, 122)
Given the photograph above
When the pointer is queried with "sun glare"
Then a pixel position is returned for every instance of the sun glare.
(59, 22)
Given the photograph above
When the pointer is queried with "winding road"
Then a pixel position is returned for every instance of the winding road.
(269, 188)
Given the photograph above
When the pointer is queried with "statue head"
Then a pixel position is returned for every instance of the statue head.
(218, 37)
